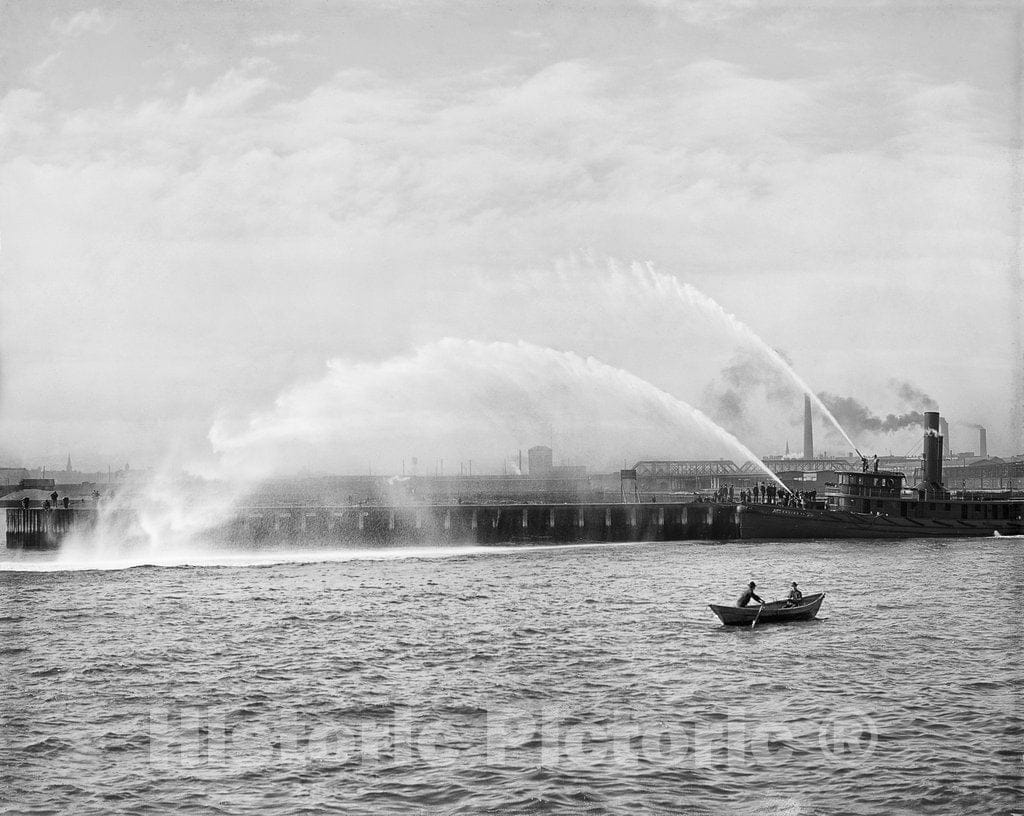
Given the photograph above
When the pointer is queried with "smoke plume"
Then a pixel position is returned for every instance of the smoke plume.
(912, 396)
(856, 416)
(746, 383)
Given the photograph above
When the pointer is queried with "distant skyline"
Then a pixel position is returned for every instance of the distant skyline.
(224, 224)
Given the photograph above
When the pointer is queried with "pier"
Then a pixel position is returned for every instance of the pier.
(40, 528)
(396, 525)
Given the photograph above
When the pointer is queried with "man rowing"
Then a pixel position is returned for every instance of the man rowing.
(748, 596)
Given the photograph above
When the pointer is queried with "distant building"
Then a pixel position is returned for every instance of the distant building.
(539, 461)
(36, 484)
(13, 475)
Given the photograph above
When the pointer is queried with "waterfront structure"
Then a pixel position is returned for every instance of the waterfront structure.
(657, 507)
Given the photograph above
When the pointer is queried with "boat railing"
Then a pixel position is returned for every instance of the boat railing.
(847, 491)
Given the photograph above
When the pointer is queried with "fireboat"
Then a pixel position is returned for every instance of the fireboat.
(875, 504)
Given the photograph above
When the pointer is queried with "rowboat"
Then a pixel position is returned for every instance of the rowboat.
(772, 612)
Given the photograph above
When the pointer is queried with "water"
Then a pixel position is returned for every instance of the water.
(468, 395)
(521, 680)
(687, 295)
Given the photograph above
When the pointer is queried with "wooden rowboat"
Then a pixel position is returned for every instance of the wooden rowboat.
(773, 612)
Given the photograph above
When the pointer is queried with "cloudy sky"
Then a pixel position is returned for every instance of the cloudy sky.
(211, 211)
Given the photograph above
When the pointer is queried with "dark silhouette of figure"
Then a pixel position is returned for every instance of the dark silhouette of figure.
(66, 502)
(795, 596)
(748, 596)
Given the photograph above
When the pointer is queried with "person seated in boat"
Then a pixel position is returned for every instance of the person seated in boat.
(749, 596)
(795, 596)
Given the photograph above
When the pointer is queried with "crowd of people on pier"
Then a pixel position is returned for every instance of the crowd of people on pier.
(765, 493)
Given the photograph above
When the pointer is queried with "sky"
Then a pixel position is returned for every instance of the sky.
(220, 221)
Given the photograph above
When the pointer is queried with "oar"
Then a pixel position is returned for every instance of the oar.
(757, 616)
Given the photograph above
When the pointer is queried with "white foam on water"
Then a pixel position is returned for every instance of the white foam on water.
(199, 557)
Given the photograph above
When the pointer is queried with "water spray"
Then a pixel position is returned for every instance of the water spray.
(668, 286)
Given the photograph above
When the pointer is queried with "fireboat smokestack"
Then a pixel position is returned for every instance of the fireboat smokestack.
(931, 481)
(982, 442)
(808, 429)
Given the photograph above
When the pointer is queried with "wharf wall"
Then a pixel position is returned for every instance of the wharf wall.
(397, 525)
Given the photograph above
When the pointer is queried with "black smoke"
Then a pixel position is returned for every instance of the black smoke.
(855, 416)
(747, 382)
(912, 395)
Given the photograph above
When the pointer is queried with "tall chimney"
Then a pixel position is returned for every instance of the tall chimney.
(931, 480)
(982, 442)
(947, 446)
(808, 429)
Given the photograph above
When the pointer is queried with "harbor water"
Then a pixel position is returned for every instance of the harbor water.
(587, 679)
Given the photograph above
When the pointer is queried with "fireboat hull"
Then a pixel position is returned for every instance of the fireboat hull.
(777, 523)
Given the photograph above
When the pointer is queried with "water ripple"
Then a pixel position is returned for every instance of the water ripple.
(577, 680)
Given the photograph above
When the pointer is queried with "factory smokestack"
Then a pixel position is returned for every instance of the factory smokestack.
(944, 433)
(808, 429)
(982, 442)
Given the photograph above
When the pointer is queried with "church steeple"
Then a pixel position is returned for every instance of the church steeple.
(68, 468)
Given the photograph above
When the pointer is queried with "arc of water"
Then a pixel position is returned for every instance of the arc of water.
(484, 369)
(667, 285)
(709, 424)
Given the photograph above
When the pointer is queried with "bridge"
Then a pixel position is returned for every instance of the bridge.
(688, 467)
(804, 465)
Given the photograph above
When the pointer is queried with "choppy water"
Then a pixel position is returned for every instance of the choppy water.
(565, 680)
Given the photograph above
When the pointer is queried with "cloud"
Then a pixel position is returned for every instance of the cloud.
(275, 39)
(37, 71)
(93, 21)
(259, 222)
